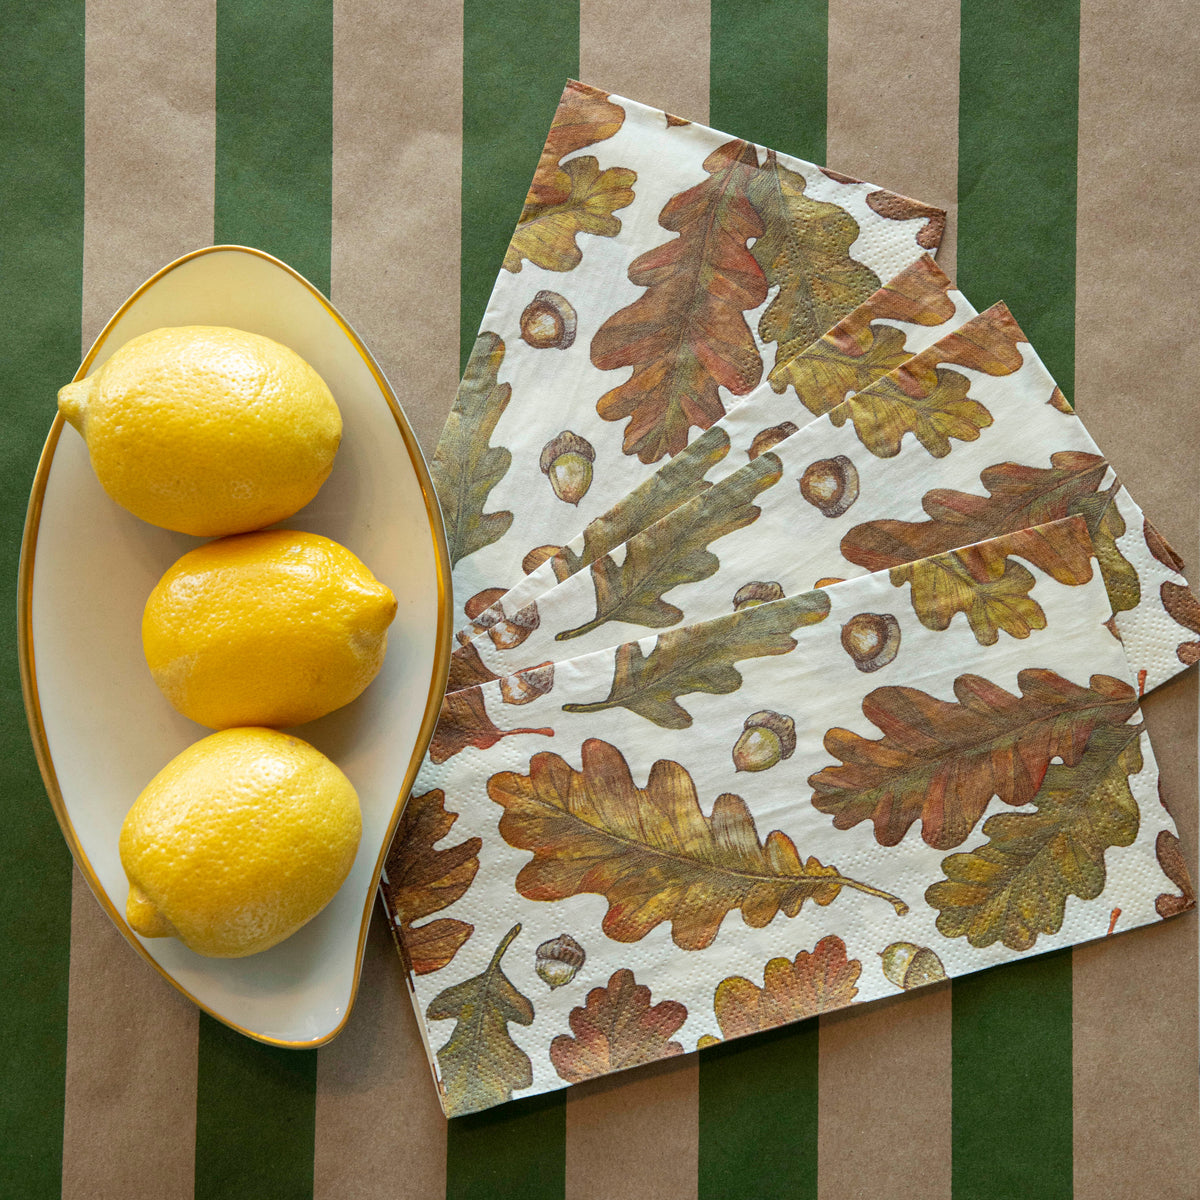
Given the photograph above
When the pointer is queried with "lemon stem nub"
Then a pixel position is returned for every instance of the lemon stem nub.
(71, 401)
(143, 916)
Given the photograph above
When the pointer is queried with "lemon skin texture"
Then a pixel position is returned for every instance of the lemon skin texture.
(272, 628)
(206, 430)
(238, 842)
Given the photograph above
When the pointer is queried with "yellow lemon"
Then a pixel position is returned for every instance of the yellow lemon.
(270, 628)
(238, 842)
(206, 430)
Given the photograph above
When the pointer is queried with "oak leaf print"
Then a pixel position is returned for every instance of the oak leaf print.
(1026, 503)
(573, 197)
(618, 1027)
(805, 250)
(983, 583)
(901, 208)
(1183, 608)
(651, 852)
(700, 658)
(481, 1065)
(920, 294)
(840, 364)
(465, 467)
(419, 881)
(930, 400)
(794, 990)
(674, 551)
(464, 722)
(1015, 886)
(1169, 852)
(686, 335)
(920, 397)
(942, 761)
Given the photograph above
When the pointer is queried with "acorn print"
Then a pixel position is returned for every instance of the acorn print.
(764, 439)
(830, 485)
(767, 738)
(567, 462)
(537, 556)
(510, 632)
(871, 639)
(528, 684)
(558, 960)
(548, 322)
(487, 616)
(757, 592)
(909, 966)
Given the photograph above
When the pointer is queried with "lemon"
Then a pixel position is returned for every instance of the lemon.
(270, 628)
(238, 842)
(206, 430)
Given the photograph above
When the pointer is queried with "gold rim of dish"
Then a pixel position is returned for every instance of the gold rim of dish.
(33, 708)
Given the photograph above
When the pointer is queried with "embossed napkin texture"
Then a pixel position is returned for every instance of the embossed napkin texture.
(905, 316)
(969, 439)
(658, 270)
(802, 804)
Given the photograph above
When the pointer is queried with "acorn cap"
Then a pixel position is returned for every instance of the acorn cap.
(871, 639)
(537, 556)
(481, 601)
(756, 592)
(764, 439)
(830, 485)
(566, 443)
(784, 728)
(510, 632)
(527, 685)
(548, 322)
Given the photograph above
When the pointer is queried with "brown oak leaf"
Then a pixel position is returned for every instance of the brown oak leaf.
(651, 852)
(567, 199)
(1161, 548)
(1184, 608)
(419, 881)
(1025, 503)
(686, 335)
(901, 208)
(617, 1028)
(942, 761)
(464, 722)
(920, 294)
(1169, 851)
(810, 984)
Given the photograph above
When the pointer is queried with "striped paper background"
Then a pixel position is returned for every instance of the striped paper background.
(383, 148)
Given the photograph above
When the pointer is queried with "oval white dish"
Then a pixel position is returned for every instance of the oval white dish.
(100, 726)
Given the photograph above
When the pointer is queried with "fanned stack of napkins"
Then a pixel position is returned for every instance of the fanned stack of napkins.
(802, 627)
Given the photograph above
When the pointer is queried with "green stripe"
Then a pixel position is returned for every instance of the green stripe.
(1017, 143)
(1011, 1062)
(1018, 117)
(274, 170)
(41, 247)
(255, 1109)
(758, 1116)
(514, 1152)
(516, 58)
(256, 1105)
(758, 1095)
(767, 71)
